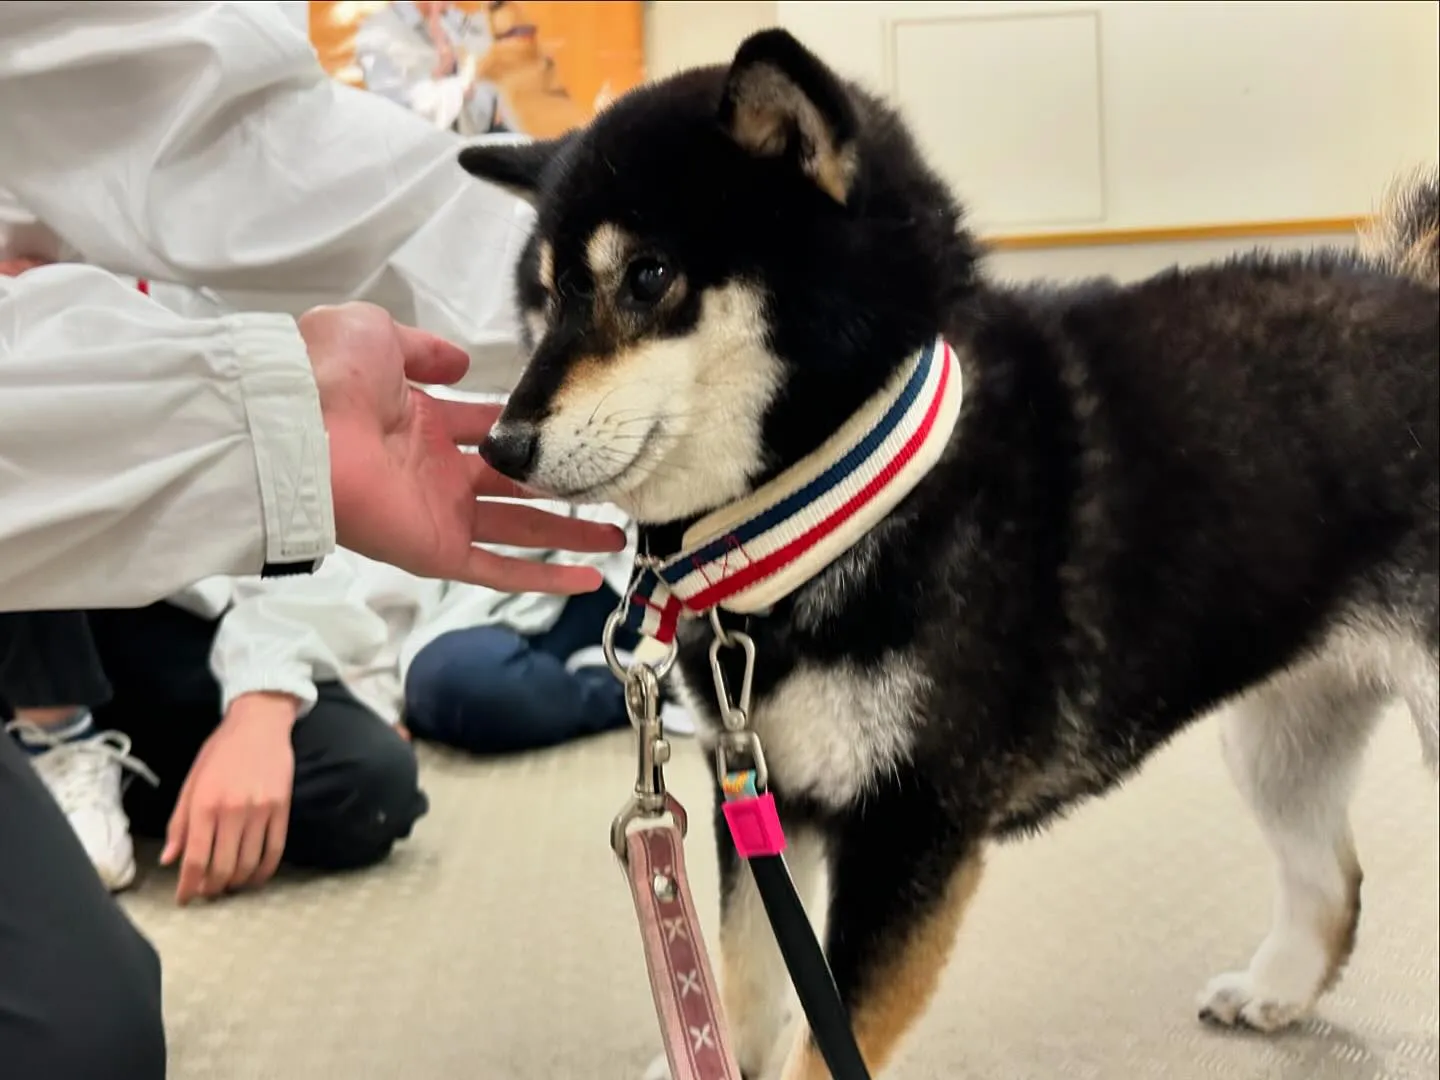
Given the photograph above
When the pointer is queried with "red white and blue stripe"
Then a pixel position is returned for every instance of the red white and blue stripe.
(747, 556)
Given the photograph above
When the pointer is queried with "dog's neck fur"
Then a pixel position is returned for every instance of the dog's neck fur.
(663, 541)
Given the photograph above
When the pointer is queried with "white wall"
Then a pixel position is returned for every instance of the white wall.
(1130, 262)
(1125, 115)
(1097, 114)
(682, 34)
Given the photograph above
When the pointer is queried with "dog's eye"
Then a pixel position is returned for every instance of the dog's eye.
(646, 281)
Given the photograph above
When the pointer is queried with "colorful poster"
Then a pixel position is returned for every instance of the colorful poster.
(529, 67)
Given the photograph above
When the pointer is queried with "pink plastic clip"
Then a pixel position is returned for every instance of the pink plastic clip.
(755, 826)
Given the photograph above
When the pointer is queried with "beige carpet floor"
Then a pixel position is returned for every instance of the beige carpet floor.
(498, 944)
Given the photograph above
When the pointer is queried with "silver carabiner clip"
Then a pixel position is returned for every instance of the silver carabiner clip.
(612, 656)
(631, 813)
(642, 702)
(650, 800)
(734, 715)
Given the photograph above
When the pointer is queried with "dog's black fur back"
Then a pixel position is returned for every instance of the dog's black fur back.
(1250, 448)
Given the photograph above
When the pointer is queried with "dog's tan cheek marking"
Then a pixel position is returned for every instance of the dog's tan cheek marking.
(899, 992)
(585, 379)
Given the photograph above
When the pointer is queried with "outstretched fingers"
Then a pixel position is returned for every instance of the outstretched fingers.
(510, 575)
(516, 525)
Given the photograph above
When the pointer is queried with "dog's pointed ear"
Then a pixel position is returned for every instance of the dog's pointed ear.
(516, 166)
(780, 99)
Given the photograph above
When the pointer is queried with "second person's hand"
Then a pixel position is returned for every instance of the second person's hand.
(228, 829)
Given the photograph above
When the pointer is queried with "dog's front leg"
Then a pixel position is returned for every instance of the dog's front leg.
(753, 981)
(901, 872)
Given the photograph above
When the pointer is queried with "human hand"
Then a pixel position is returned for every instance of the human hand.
(228, 828)
(403, 492)
(17, 266)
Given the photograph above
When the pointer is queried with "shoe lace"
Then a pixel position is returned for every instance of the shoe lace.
(77, 770)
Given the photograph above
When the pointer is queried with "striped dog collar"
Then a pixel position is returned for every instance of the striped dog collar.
(747, 556)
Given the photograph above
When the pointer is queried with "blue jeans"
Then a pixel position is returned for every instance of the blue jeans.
(490, 690)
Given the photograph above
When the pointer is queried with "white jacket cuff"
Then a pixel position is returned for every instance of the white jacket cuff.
(288, 635)
(281, 678)
(292, 455)
(144, 450)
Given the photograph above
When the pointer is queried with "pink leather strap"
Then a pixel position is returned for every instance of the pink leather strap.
(686, 1001)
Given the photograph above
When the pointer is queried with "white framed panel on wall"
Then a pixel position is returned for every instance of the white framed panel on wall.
(1208, 113)
(1032, 156)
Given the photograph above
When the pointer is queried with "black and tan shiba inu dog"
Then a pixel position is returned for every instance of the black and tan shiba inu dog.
(1218, 486)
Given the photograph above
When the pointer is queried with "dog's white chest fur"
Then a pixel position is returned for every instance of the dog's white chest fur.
(831, 732)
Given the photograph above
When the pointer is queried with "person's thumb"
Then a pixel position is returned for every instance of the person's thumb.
(430, 359)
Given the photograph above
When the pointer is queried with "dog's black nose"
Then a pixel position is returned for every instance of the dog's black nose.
(510, 449)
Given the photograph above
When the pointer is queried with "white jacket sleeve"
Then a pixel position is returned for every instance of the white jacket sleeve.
(141, 451)
(202, 144)
(287, 634)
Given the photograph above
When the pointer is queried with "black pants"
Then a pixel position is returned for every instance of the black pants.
(79, 984)
(356, 790)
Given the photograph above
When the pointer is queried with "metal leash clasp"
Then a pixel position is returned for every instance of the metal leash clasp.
(736, 740)
(642, 704)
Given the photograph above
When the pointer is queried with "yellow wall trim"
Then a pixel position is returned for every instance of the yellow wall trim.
(1173, 234)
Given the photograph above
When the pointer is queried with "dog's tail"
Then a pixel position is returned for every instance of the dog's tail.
(1405, 235)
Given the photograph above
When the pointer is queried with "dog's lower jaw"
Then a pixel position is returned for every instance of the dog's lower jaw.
(654, 500)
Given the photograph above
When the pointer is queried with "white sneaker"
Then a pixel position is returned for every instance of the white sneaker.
(85, 776)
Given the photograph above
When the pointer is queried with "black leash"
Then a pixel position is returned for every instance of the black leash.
(755, 829)
(805, 960)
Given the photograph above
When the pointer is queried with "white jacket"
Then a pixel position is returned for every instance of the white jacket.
(201, 144)
(355, 619)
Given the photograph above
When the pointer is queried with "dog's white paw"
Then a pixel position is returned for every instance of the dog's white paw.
(659, 1069)
(1238, 1000)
